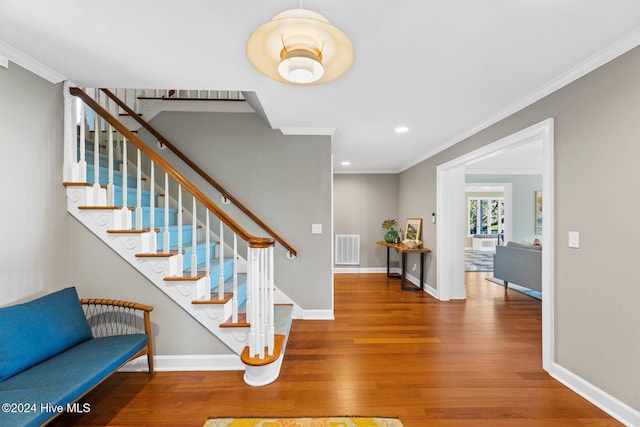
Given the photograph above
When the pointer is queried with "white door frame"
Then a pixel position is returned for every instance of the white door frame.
(451, 215)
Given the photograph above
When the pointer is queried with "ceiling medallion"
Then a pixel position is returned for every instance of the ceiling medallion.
(300, 47)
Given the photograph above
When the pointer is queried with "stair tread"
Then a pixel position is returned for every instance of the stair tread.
(99, 207)
(157, 254)
(242, 322)
(280, 326)
(213, 299)
(186, 277)
(76, 184)
(279, 341)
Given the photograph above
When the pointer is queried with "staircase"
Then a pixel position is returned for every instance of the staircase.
(166, 228)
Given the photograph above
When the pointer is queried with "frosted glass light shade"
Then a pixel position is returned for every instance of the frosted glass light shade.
(300, 47)
(301, 66)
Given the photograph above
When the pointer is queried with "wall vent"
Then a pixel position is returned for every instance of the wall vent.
(347, 249)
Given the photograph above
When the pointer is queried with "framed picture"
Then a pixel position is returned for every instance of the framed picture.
(538, 213)
(413, 229)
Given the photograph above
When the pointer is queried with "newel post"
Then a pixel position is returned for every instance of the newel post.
(70, 171)
(260, 297)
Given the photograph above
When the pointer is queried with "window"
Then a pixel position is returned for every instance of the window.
(485, 215)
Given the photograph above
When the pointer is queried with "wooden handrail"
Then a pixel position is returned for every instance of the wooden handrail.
(116, 303)
(200, 172)
(166, 166)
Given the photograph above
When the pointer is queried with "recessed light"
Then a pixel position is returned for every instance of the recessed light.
(346, 163)
(402, 129)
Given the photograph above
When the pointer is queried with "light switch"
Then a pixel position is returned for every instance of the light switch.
(574, 239)
(316, 228)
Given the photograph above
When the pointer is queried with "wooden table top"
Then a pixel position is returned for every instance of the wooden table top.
(403, 248)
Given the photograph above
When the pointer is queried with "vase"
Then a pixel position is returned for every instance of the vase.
(391, 236)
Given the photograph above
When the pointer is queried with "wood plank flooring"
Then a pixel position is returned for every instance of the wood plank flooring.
(387, 353)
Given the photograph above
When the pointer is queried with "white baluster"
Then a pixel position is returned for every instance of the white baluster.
(118, 147)
(125, 185)
(139, 191)
(234, 304)
(83, 161)
(221, 263)
(194, 238)
(166, 236)
(252, 301)
(96, 160)
(207, 242)
(152, 209)
(125, 173)
(70, 152)
(179, 221)
(110, 201)
(249, 302)
(263, 304)
(270, 301)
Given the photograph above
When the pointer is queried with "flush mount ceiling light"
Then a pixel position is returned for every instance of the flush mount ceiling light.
(300, 47)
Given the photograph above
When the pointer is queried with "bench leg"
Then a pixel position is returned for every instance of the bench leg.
(148, 332)
(150, 361)
(506, 286)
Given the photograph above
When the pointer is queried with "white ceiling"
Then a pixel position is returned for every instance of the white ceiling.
(444, 68)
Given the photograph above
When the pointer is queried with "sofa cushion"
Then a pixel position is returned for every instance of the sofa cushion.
(66, 377)
(524, 246)
(39, 329)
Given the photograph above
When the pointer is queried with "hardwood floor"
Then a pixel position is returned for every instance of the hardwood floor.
(387, 353)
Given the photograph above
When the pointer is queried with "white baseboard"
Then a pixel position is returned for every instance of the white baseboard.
(617, 409)
(428, 289)
(346, 270)
(317, 315)
(201, 362)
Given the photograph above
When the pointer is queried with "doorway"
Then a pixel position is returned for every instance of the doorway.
(451, 214)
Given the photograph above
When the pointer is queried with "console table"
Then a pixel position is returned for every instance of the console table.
(403, 250)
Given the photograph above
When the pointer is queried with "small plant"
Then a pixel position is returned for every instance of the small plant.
(388, 224)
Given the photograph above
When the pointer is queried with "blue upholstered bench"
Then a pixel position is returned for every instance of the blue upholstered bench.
(55, 349)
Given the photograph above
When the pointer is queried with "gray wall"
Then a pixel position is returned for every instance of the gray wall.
(596, 177)
(523, 194)
(284, 180)
(33, 253)
(361, 202)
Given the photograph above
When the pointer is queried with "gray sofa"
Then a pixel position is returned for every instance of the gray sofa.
(520, 264)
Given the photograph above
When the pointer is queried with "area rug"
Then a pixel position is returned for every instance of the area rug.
(521, 289)
(304, 422)
(478, 260)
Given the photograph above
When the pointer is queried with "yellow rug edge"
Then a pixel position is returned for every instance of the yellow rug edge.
(371, 421)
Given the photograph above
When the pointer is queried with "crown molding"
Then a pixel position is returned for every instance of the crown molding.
(597, 60)
(4, 61)
(25, 61)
